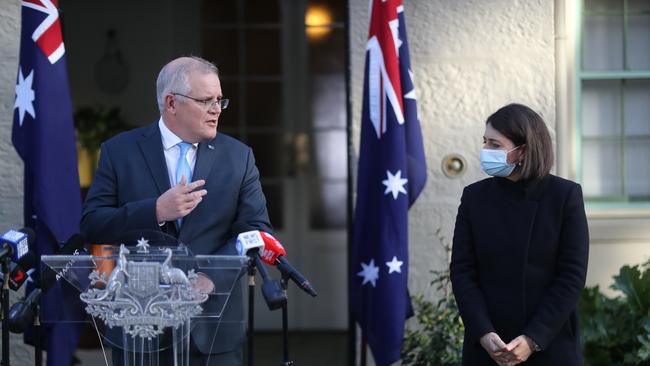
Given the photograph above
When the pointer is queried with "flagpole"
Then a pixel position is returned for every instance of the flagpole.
(352, 328)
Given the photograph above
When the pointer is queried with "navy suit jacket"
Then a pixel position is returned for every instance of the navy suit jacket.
(132, 174)
(519, 262)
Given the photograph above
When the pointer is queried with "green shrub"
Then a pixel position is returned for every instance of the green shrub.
(438, 339)
(616, 331)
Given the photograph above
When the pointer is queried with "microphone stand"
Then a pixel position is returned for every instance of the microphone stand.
(251, 308)
(274, 296)
(38, 350)
(5, 311)
(285, 324)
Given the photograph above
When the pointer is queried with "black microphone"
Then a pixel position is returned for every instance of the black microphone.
(274, 254)
(21, 314)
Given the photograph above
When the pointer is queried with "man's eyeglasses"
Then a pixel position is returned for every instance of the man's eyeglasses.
(208, 103)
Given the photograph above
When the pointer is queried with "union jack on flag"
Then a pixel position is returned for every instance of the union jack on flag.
(43, 136)
(391, 175)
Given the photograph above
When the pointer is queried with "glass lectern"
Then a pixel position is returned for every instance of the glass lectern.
(150, 297)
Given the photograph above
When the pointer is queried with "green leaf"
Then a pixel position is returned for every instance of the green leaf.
(629, 282)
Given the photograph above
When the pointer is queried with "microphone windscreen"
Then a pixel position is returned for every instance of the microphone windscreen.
(15, 243)
(272, 249)
(249, 240)
(20, 317)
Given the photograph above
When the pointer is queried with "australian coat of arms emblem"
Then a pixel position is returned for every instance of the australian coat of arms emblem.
(144, 297)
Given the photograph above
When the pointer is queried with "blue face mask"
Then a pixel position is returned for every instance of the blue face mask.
(495, 162)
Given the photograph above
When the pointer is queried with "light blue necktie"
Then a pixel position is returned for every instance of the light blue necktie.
(183, 168)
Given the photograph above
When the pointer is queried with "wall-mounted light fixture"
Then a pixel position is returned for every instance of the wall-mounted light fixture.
(318, 20)
(454, 165)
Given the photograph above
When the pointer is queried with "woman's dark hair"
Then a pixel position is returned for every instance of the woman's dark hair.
(523, 126)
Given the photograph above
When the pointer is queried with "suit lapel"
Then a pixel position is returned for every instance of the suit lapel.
(205, 157)
(152, 149)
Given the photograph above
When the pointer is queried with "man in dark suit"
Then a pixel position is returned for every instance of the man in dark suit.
(179, 176)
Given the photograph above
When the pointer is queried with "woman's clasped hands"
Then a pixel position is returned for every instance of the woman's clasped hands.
(513, 353)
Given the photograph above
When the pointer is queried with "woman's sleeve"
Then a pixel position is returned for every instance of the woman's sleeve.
(464, 277)
(570, 273)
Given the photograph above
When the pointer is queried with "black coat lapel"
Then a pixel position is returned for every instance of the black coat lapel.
(152, 149)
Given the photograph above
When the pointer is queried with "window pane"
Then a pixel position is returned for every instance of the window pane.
(264, 103)
(601, 172)
(263, 52)
(220, 12)
(220, 47)
(637, 107)
(330, 151)
(327, 54)
(229, 118)
(603, 42)
(274, 203)
(638, 169)
(268, 153)
(328, 101)
(601, 108)
(262, 11)
(638, 32)
(328, 208)
(604, 6)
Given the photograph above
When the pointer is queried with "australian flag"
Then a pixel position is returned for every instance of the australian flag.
(392, 173)
(43, 136)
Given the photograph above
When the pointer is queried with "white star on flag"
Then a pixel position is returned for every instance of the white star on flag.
(394, 265)
(24, 95)
(411, 93)
(370, 273)
(394, 183)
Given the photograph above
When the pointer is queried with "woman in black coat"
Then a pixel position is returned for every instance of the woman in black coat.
(520, 250)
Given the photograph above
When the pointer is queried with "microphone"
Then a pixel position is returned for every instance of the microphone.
(15, 243)
(21, 314)
(274, 254)
(250, 243)
(20, 271)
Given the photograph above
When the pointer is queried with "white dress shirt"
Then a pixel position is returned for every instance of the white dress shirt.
(172, 151)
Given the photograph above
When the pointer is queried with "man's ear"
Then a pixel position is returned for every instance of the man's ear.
(170, 104)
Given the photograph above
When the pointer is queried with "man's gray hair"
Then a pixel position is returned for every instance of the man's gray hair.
(173, 77)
